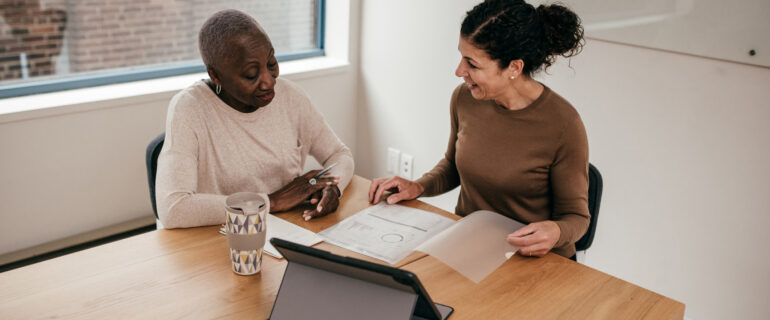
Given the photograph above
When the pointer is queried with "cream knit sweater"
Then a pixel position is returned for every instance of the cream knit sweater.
(212, 150)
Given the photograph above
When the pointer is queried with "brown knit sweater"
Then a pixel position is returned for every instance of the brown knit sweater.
(529, 164)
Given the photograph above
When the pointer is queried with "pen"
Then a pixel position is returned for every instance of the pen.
(324, 171)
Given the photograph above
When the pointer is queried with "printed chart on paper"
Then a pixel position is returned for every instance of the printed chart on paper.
(386, 232)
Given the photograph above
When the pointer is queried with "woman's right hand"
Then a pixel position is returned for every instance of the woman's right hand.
(299, 190)
(401, 188)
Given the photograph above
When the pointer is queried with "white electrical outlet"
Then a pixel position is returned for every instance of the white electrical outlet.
(394, 157)
(407, 166)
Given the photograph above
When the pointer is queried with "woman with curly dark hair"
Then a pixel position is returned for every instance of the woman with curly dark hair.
(516, 147)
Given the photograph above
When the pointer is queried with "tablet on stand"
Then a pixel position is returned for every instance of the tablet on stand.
(320, 285)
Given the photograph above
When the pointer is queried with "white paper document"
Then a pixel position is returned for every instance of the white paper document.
(385, 232)
(476, 245)
(282, 229)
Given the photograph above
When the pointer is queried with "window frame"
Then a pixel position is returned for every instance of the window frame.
(93, 80)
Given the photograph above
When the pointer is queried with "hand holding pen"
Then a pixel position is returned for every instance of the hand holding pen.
(314, 180)
(327, 199)
(299, 190)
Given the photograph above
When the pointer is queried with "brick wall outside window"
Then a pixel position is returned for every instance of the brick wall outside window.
(68, 37)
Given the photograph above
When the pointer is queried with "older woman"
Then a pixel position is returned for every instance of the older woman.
(516, 147)
(244, 129)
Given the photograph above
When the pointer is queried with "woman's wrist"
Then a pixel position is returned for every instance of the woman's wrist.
(275, 203)
(555, 231)
(336, 190)
(420, 189)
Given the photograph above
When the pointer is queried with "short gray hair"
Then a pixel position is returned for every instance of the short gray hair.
(221, 28)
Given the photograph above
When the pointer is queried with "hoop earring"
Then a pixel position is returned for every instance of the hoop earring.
(218, 89)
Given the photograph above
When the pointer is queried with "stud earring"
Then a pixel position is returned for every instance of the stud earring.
(513, 77)
(218, 89)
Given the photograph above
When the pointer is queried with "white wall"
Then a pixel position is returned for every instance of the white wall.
(683, 147)
(408, 56)
(680, 141)
(71, 173)
(80, 168)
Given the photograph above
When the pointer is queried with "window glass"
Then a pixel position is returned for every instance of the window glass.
(44, 40)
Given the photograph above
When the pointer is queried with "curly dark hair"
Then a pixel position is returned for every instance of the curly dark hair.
(513, 29)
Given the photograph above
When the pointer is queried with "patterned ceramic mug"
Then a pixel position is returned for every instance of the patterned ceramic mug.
(245, 226)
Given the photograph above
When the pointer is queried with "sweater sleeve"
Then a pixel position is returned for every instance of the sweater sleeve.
(569, 181)
(179, 206)
(444, 177)
(320, 141)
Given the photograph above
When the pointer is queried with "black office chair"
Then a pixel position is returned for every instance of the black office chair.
(594, 198)
(151, 159)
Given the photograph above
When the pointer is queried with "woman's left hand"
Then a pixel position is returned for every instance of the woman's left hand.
(535, 239)
(328, 199)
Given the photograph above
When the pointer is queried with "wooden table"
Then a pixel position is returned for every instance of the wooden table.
(186, 273)
(551, 287)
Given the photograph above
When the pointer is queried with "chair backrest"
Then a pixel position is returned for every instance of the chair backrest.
(594, 199)
(151, 159)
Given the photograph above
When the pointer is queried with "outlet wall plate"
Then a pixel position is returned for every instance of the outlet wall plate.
(407, 166)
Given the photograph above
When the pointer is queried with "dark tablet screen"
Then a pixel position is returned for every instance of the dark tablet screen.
(367, 288)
